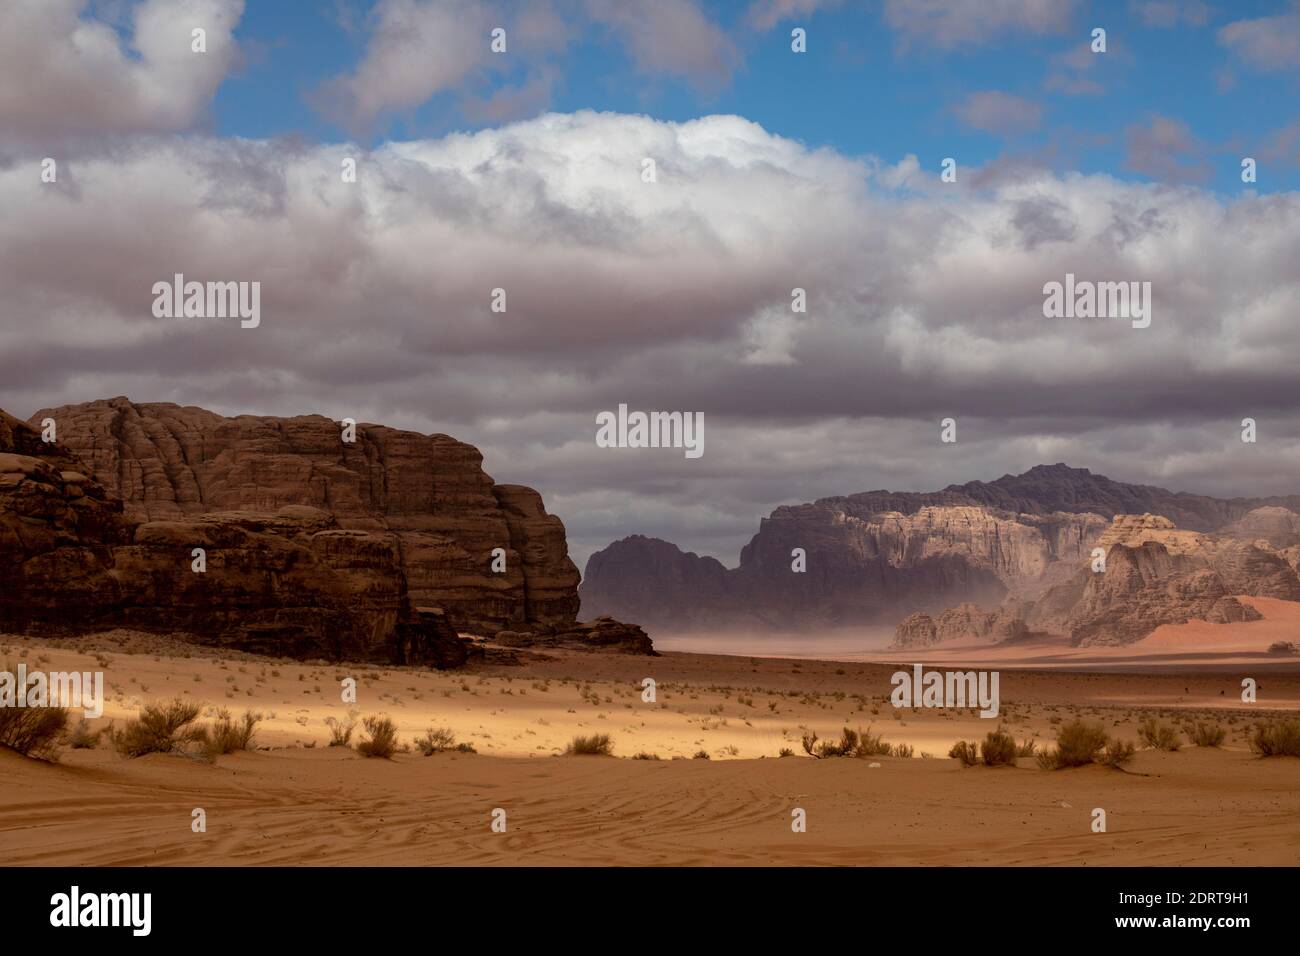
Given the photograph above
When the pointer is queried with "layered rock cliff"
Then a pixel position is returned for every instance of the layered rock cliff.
(1154, 573)
(861, 565)
(442, 514)
(1018, 546)
(275, 535)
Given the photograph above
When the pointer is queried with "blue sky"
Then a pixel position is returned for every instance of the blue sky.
(865, 86)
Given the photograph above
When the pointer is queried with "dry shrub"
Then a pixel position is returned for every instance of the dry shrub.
(436, 740)
(597, 745)
(1158, 736)
(341, 730)
(82, 737)
(1279, 739)
(1206, 734)
(860, 743)
(1028, 748)
(161, 728)
(1116, 753)
(227, 736)
(998, 749)
(382, 741)
(33, 731)
(1079, 743)
(966, 751)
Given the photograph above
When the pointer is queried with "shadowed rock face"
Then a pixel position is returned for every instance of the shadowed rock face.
(862, 565)
(1021, 544)
(290, 583)
(426, 497)
(379, 550)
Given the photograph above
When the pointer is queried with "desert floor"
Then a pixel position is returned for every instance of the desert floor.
(296, 800)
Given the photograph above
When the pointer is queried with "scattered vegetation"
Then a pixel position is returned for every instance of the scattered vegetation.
(1116, 753)
(341, 730)
(82, 738)
(161, 728)
(998, 749)
(382, 741)
(598, 745)
(1206, 734)
(966, 751)
(1158, 736)
(33, 731)
(1279, 739)
(226, 735)
(1027, 748)
(859, 743)
(701, 755)
(436, 740)
(1079, 743)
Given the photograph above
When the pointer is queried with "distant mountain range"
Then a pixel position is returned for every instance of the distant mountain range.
(879, 556)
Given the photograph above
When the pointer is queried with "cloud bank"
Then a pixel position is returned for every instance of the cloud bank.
(924, 300)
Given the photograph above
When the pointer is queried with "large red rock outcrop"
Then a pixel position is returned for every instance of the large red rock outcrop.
(291, 582)
(275, 536)
(426, 494)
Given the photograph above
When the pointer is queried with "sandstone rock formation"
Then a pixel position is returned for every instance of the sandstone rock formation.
(1155, 573)
(964, 621)
(428, 494)
(310, 549)
(1020, 546)
(603, 634)
(871, 558)
(1280, 527)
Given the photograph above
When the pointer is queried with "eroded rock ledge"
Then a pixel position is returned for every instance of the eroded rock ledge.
(377, 550)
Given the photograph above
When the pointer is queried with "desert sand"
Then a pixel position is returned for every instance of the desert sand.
(295, 800)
